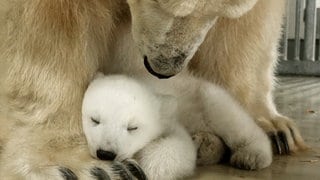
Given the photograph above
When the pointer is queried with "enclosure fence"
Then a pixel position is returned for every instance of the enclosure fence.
(300, 50)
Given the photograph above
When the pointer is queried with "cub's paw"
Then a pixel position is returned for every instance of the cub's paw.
(252, 157)
(210, 148)
(284, 134)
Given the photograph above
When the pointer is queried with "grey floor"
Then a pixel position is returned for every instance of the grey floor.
(298, 98)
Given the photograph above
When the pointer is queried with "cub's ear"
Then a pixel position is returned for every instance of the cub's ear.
(178, 8)
(169, 105)
(98, 75)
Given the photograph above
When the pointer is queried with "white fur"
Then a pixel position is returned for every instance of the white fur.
(165, 149)
(203, 106)
(118, 102)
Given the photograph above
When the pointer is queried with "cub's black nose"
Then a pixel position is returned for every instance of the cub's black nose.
(106, 155)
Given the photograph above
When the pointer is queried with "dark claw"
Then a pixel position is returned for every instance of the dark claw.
(276, 141)
(284, 141)
(99, 174)
(67, 174)
(120, 169)
(135, 169)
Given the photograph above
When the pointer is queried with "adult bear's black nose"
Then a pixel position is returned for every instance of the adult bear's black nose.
(151, 71)
(106, 155)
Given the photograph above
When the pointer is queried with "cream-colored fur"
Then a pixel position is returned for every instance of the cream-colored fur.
(53, 49)
(169, 32)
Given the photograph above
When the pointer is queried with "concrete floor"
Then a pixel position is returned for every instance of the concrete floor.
(298, 98)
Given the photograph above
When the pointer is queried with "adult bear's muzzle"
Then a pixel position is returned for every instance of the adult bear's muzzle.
(164, 68)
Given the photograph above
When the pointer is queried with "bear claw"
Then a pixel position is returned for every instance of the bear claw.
(119, 169)
(67, 174)
(99, 174)
(279, 140)
(135, 169)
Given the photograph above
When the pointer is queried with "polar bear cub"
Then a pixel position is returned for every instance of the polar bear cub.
(128, 117)
(122, 118)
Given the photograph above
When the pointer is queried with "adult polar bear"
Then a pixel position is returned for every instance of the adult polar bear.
(53, 49)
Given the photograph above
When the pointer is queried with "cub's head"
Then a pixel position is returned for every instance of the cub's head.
(121, 116)
(169, 32)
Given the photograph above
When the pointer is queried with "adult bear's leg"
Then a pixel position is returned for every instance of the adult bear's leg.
(53, 50)
(240, 54)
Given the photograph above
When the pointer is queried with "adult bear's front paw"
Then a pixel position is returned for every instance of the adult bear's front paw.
(67, 174)
(283, 133)
(134, 168)
(61, 162)
(125, 170)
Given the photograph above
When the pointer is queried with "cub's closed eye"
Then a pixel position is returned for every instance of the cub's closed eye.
(95, 121)
(132, 128)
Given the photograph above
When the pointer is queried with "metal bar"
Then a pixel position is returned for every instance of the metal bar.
(310, 30)
(299, 7)
(318, 29)
(285, 33)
